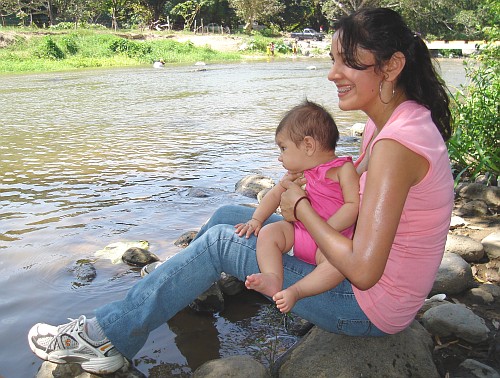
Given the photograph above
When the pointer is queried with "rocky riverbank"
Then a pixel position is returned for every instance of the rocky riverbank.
(454, 335)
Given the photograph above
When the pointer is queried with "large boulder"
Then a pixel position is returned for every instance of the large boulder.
(325, 354)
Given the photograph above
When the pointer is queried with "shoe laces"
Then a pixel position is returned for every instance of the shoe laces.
(73, 326)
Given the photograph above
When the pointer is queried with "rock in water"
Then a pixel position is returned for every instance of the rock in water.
(139, 257)
(115, 251)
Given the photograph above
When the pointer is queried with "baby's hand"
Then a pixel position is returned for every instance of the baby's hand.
(253, 226)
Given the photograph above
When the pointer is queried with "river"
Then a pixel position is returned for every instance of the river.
(93, 157)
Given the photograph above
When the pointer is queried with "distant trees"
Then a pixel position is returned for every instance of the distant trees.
(442, 19)
(256, 10)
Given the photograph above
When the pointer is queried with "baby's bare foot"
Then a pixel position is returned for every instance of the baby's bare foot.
(265, 283)
(286, 299)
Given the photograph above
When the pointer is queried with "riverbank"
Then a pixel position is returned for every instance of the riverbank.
(41, 50)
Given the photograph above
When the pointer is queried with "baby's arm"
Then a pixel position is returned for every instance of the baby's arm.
(266, 207)
(349, 182)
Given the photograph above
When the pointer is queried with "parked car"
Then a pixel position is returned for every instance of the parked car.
(308, 33)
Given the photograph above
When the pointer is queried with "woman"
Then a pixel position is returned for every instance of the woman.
(406, 187)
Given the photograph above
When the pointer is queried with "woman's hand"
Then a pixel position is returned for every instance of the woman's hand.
(253, 226)
(293, 184)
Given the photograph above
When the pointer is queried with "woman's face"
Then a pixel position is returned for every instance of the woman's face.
(357, 89)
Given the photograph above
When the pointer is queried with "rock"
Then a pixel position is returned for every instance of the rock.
(484, 294)
(52, 370)
(475, 369)
(115, 251)
(232, 367)
(139, 257)
(491, 244)
(455, 319)
(457, 222)
(251, 185)
(488, 194)
(185, 239)
(211, 300)
(230, 285)
(199, 193)
(469, 249)
(324, 354)
(84, 272)
(357, 129)
(475, 208)
(262, 193)
(454, 275)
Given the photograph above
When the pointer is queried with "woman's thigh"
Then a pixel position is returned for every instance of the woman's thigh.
(335, 310)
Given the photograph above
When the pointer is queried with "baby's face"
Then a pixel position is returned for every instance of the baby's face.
(292, 157)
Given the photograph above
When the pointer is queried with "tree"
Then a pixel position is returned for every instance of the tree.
(188, 11)
(255, 10)
(334, 9)
(116, 8)
(155, 7)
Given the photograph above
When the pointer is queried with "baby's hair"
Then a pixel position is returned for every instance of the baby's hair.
(310, 119)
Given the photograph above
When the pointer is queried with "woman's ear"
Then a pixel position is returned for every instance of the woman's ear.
(394, 66)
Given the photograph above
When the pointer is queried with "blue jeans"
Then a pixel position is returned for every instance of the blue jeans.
(180, 280)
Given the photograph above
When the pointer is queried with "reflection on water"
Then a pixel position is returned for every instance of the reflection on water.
(91, 157)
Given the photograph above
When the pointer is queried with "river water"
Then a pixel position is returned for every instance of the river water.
(93, 157)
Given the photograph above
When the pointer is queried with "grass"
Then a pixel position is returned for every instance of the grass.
(37, 50)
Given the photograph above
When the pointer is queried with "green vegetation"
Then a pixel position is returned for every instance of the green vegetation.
(474, 146)
(87, 48)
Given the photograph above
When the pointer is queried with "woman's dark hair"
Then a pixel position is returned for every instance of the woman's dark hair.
(310, 119)
(383, 32)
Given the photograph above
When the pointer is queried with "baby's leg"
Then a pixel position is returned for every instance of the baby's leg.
(273, 240)
(323, 278)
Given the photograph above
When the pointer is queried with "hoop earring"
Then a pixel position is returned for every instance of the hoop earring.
(380, 92)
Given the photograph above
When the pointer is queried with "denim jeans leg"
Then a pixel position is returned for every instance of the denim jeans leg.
(180, 280)
(174, 284)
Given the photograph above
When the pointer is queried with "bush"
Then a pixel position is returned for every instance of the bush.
(49, 49)
(473, 148)
(69, 43)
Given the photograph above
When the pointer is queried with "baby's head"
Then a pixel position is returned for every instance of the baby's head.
(310, 119)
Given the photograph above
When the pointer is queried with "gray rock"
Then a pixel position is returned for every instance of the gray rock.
(474, 208)
(251, 185)
(232, 367)
(324, 354)
(185, 239)
(475, 369)
(84, 272)
(51, 370)
(139, 257)
(491, 244)
(211, 300)
(457, 320)
(454, 275)
(484, 294)
(469, 249)
(231, 285)
(488, 194)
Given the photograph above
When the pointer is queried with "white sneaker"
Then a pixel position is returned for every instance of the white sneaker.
(147, 269)
(69, 343)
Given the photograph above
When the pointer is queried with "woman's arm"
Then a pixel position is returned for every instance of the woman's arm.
(393, 169)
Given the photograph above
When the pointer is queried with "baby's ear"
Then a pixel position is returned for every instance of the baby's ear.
(310, 145)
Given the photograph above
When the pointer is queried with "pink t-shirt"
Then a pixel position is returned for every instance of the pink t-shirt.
(416, 253)
(326, 198)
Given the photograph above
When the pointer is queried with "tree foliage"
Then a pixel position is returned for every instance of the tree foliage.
(255, 10)
(441, 19)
